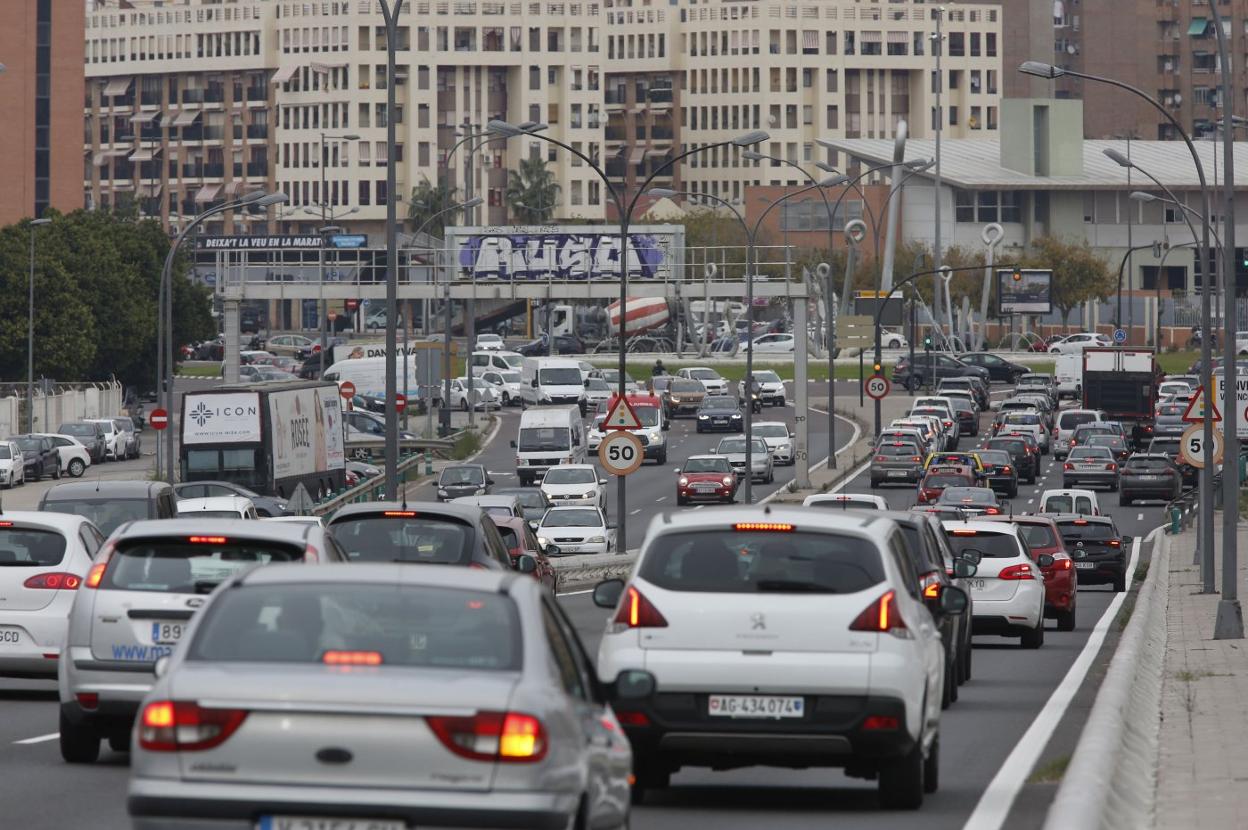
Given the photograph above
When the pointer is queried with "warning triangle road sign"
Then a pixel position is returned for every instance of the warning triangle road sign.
(621, 416)
(301, 503)
(1195, 413)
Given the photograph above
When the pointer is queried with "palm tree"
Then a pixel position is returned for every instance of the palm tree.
(532, 190)
(426, 200)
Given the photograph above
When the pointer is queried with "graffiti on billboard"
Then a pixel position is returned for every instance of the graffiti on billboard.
(521, 254)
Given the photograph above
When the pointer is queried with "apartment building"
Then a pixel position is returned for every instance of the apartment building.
(40, 87)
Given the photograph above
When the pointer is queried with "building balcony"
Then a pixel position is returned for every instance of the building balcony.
(615, 97)
(257, 93)
(151, 99)
(257, 169)
(257, 131)
(660, 95)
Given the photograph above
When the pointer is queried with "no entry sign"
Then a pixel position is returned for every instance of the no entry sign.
(159, 419)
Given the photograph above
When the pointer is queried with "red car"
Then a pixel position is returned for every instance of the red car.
(938, 478)
(1061, 582)
(520, 539)
(706, 478)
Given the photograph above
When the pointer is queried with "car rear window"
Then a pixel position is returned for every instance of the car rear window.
(846, 503)
(1066, 504)
(1070, 420)
(213, 514)
(897, 449)
(510, 540)
(1176, 409)
(105, 513)
(994, 457)
(29, 547)
(968, 495)
(990, 545)
(1038, 536)
(753, 562)
(403, 536)
(1087, 530)
(188, 564)
(356, 624)
(1148, 465)
(1014, 447)
(943, 480)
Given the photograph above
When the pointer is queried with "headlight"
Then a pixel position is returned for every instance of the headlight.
(727, 480)
(736, 417)
(786, 448)
(543, 541)
(441, 492)
(683, 481)
(590, 495)
(596, 539)
(704, 418)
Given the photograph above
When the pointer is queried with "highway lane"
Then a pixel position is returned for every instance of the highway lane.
(1008, 689)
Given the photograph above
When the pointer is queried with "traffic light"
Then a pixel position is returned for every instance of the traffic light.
(877, 368)
(927, 342)
(1017, 276)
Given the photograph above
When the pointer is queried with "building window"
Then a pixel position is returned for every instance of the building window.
(988, 206)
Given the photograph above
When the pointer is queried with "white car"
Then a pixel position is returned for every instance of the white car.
(598, 392)
(1173, 388)
(46, 557)
(490, 343)
(775, 343)
(711, 380)
(1067, 421)
(846, 501)
(507, 384)
(575, 484)
(1070, 500)
(1008, 589)
(892, 340)
(1028, 421)
(770, 386)
(75, 458)
(778, 439)
(576, 530)
(116, 441)
(1078, 342)
(12, 464)
(217, 507)
(758, 624)
(484, 396)
(595, 434)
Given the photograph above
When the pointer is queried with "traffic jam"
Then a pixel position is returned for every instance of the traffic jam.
(293, 671)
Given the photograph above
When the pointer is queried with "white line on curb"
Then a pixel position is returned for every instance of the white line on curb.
(575, 593)
(823, 461)
(52, 736)
(994, 805)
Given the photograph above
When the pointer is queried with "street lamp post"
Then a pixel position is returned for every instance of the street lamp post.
(325, 231)
(325, 220)
(30, 330)
(390, 10)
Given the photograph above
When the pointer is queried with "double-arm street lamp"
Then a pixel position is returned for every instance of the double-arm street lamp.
(30, 331)
(625, 211)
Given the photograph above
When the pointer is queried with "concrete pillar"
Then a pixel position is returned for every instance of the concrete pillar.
(232, 328)
(801, 425)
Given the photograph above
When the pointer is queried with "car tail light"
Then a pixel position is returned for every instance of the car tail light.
(1115, 543)
(627, 718)
(992, 511)
(351, 658)
(638, 612)
(948, 423)
(1068, 466)
(1063, 565)
(931, 586)
(1111, 466)
(311, 554)
(183, 725)
(399, 514)
(880, 458)
(767, 527)
(88, 700)
(492, 736)
(96, 575)
(880, 723)
(1006, 468)
(54, 581)
(882, 617)
(207, 540)
(1016, 572)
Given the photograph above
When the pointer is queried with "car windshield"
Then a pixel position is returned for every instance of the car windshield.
(1012, 446)
(189, 564)
(1038, 536)
(497, 510)
(1169, 446)
(565, 475)
(461, 475)
(704, 374)
(968, 495)
(717, 464)
(567, 376)
(511, 377)
(400, 625)
(27, 444)
(1082, 529)
(648, 415)
(848, 501)
(30, 547)
(897, 449)
(544, 438)
(78, 430)
(1064, 503)
(719, 402)
(597, 385)
(1022, 419)
(1070, 420)
(403, 536)
(211, 514)
(680, 387)
(766, 377)
(751, 562)
(572, 517)
(1113, 442)
(107, 514)
(1171, 410)
(989, 545)
(527, 497)
(930, 410)
(5, 452)
(771, 430)
(731, 446)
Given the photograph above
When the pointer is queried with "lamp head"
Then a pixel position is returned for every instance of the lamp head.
(661, 192)
(1040, 69)
(503, 128)
(267, 199)
(751, 138)
(825, 167)
(751, 155)
(1117, 157)
(919, 165)
(350, 137)
(1141, 196)
(39, 223)
(834, 181)
(471, 203)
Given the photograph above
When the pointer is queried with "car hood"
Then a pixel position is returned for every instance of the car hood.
(775, 442)
(739, 458)
(696, 477)
(716, 412)
(568, 489)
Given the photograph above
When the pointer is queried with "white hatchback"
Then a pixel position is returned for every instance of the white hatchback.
(577, 484)
(711, 380)
(780, 637)
(1008, 587)
(217, 507)
(75, 458)
(846, 501)
(779, 440)
(12, 464)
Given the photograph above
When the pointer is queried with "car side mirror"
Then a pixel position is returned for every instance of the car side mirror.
(552, 550)
(602, 481)
(612, 525)
(633, 684)
(489, 481)
(964, 569)
(971, 555)
(676, 470)
(532, 524)
(667, 425)
(513, 444)
(526, 564)
(607, 593)
(1044, 560)
(161, 668)
(534, 383)
(953, 600)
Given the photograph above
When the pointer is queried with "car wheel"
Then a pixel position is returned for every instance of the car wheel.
(662, 458)
(964, 658)
(1066, 619)
(79, 743)
(931, 767)
(1014, 492)
(1034, 637)
(464, 404)
(949, 694)
(56, 471)
(875, 484)
(1120, 583)
(76, 467)
(901, 781)
(39, 473)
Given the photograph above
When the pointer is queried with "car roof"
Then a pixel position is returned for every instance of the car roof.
(770, 424)
(493, 500)
(1081, 517)
(465, 512)
(244, 528)
(864, 523)
(1062, 491)
(112, 487)
(65, 522)
(704, 456)
(213, 503)
(383, 573)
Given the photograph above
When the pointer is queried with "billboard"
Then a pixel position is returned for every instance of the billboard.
(569, 253)
(307, 431)
(1024, 291)
(221, 418)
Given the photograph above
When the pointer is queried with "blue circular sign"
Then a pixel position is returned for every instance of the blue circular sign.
(1120, 336)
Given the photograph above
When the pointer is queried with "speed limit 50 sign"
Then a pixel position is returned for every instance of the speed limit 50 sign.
(621, 453)
(877, 387)
(1193, 450)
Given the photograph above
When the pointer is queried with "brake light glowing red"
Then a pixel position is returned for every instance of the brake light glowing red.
(1063, 565)
(351, 658)
(1068, 466)
(992, 511)
(1016, 572)
(207, 540)
(6, 524)
(767, 527)
(636, 719)
(185, 726)
(638, 612)
(957, 531)
(880, 723)
(880, 458)
(1081, 521)
(1006, 468)
(931, 586)
(1115, 543)
(881, 616)
(492, 736)
(88, 700)
(399, 514)
(54, 581)
(1111, 467)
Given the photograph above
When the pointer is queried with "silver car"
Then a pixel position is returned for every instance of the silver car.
(384, 697)
(761, 463)
(1090, 466)
(135, 605)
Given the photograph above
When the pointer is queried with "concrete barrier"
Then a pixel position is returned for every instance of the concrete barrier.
(1111, 781)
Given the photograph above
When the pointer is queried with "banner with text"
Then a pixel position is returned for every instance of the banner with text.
(576, 253)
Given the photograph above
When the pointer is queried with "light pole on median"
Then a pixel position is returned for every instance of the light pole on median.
(390, 11)
(321, 311)
(625, 212)
(30, 330)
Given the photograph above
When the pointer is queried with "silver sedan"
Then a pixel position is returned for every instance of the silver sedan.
(384, 697)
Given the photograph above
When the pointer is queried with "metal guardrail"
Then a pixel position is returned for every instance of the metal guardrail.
(355, 446)
(372, 489)
(1186, 504)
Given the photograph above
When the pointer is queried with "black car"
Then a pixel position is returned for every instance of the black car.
(1099, 550)
(974, 385)
(1025, 462)
(90, 435)
(266, 506)
(1169, 446)
(1146, 476)
(462, 480)
(422, 533)
(719, 413)
(564, 344)
(999, 471)
(929, 369)
(968, 416)
(998, 368)
(40, 456)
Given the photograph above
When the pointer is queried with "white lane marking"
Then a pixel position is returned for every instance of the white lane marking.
(634, 512)
(659, 499)
(994, 805)
(575, 593)
(1140, 518)
(1031, 501)
(38, 739)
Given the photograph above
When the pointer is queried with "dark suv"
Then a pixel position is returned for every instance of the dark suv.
(90, 435)
(1099, 550)
(420, 532)
(930, 368)
(1149, 476)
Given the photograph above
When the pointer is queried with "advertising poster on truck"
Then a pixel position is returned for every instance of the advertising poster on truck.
(224, 418)
(307, 433)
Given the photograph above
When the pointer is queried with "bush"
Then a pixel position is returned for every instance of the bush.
(467, 444)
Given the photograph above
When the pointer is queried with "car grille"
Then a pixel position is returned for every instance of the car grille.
(567, 540)
(540, 461)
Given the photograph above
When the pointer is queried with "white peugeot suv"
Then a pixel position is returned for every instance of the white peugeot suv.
(1008, 588)
(779, 637)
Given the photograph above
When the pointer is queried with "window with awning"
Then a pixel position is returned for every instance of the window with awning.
(141, 154)
(207, 193)
(870, 37)
(810, 41)
(898, 37)
(117, 87)
(144, 117)
(1198, 27)
(150, 191)
(232, 188)
(284, 74)
(186, 119)
(636, 155)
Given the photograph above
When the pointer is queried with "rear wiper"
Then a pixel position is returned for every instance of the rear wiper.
(790, 585)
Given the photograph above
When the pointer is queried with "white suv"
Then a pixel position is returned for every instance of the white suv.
(1008, 588)
(780, 637)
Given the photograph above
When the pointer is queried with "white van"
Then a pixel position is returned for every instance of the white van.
(553, 381)
(548, 436)
(1083, 502)
(368, 374)
(500, 361)
(1069, 374)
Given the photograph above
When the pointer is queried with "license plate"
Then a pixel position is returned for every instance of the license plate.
(10, 637)
(167, 633)
(325, 823)
(568, 548)
(705, 488)
(977, 584)
(1151, 478)
(720, 421)
(896, 473)
(755, 706)
(1085, 566)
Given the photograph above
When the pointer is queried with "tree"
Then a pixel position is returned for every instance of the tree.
(428, 200)
(1079, 275)
(532, 191)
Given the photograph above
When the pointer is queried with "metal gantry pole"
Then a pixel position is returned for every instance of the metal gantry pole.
(936, 197)
(391, 15)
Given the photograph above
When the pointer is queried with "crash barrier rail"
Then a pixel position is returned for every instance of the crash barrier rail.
(373, 489)
(1111, 780)
(58, 403)
(362, 449)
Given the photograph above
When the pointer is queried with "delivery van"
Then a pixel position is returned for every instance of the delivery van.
(552, 381)
(548, 436)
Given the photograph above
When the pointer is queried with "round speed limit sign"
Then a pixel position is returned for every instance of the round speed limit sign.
(621, 453)
(1192, 446)
(877, 387)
